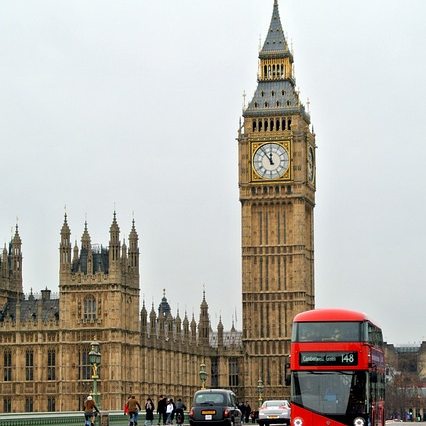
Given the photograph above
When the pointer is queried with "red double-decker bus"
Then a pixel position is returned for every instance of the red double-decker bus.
(337, 369)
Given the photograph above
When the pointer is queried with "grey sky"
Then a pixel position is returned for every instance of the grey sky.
(137, 103)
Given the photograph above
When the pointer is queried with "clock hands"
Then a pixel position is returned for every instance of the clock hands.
(269, 156)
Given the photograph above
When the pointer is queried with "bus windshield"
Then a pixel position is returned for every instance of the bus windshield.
(331, 393)
(327, 331)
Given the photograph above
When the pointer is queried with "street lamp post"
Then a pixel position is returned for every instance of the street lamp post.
(203, 375)
(260, 389)
(95, 362)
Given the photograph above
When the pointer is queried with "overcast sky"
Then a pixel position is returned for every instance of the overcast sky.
(135, 104)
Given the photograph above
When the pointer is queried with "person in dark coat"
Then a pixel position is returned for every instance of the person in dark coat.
(161, 409)
(149, 409)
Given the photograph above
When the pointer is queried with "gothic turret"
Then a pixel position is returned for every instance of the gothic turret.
(114, 246)
(220, 333)
(134, 252)
(193, 330)
(144, 320)
(204, 323)
(4, 263)
(152, 322)
(85, 238)
(16, 258)
(65, 248)
(185, 324)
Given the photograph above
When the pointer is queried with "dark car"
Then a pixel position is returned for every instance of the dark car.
(215, 407)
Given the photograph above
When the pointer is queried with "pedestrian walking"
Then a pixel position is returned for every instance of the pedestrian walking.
(90, 411)
(247, 412)
(134, 407)
(170, 410)
(161, 410)
(180, 411)
(149, 410)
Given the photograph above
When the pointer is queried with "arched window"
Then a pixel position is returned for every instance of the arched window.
(89, 309)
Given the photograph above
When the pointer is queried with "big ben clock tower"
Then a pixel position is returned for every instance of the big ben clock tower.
(277, 194)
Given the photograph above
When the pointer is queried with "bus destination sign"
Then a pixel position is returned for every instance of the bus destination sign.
(328, 358)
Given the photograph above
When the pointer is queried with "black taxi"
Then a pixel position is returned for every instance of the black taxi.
(216, 407)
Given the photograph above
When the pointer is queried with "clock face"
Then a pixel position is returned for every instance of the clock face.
(311, 164)
(271, 161)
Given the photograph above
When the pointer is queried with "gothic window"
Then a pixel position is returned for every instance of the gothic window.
(29, 405)
(260, 125)
(214, 373)
(266, 123)
(278, 124)
(7, 363)
(272, 125)
(233, 372)
(84, 371)
(284, 125)
(51, 403)
(254, 125)
(89, 309)
(29, 365)
(51, 365)
(289, 124)
(7, 405)
(273, 93)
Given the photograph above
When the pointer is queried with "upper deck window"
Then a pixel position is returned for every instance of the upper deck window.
(327, 332)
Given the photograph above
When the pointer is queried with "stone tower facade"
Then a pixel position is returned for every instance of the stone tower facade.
(11, 270)
(277, 194)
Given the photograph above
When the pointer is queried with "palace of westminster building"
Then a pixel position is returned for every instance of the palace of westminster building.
(45, 341)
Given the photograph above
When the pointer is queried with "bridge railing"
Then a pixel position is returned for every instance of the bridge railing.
(68, 418)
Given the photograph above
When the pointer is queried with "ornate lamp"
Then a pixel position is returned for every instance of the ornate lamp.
(95, 362)
(203, 375)
(260, 388)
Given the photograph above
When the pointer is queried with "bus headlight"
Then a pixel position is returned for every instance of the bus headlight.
(359, 421)
(298, 421)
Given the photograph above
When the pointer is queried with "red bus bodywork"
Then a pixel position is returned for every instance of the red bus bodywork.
(352, 363)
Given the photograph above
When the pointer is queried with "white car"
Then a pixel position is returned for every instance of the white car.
(272, 412)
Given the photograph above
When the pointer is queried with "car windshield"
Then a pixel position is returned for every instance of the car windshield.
(209, 398)
(268, 404)
(331, 393)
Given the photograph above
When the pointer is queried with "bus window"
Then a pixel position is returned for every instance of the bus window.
(327, 332)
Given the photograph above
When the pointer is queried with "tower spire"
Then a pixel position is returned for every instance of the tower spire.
(275, 41)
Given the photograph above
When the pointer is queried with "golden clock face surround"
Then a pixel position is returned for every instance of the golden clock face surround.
(270, 161)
